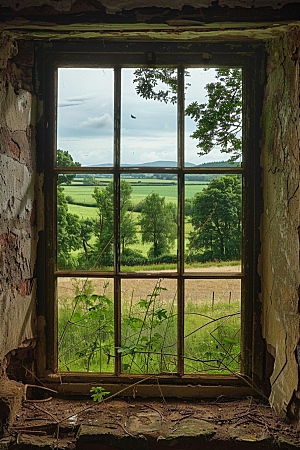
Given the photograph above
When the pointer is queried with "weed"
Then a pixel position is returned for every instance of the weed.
(98, 393)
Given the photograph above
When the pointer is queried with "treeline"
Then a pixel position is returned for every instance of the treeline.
(215, 215)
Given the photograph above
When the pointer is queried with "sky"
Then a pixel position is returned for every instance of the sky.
(148, 127)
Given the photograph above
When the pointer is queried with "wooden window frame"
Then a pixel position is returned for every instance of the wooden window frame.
(136, 54)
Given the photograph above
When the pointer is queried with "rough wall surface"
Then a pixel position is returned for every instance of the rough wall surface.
(280, 220)
(280, 223)
(113, 6)
(17, 215)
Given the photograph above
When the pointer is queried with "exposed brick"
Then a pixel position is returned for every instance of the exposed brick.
(14, 148)
(24, 288)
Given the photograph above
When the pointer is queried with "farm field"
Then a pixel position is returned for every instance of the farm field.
(212, 325)
(148, 306)
(140, 189)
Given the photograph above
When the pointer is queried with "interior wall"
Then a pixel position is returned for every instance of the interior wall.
(21, 208)
(18, 236)
(279, 260)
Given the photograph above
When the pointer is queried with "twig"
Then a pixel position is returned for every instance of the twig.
(38, 432)
(44, 411)
(154, 409)
(164, 400)
(118, 422)
(108, 398)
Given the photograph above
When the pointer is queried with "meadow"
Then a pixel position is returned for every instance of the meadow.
(148, 307)
(149, 326)
(82, 195)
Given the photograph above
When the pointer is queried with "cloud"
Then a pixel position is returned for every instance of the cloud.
(77, 100)
(81, 98)
(69, 103)
(104, 121)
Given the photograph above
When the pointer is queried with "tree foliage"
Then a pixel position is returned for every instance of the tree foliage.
(218, 121)
(64, 159)
(73, 233)
(104, 225)
(68, 233)
(216, 218)
(158, 224)
(147, 81)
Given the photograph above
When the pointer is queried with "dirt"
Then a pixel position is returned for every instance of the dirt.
(61, 419)
(197, 290)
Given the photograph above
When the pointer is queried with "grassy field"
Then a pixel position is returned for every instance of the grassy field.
(149, 324)
(148, 307)
(166, 188)
(140, 189)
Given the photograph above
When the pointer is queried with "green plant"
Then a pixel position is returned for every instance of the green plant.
(98, 393)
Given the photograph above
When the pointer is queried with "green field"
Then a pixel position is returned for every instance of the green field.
(149, 336)
(140, 189)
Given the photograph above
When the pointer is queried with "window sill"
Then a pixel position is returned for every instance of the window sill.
(155, 424)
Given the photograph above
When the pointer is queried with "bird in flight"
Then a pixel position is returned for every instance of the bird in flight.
(133, 117)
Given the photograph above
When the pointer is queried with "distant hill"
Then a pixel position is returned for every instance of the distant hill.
(174, 164)
(219, 164)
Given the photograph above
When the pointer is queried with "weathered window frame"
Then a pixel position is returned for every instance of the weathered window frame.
(82, 54)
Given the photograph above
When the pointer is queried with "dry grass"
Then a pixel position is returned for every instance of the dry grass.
(198, 291)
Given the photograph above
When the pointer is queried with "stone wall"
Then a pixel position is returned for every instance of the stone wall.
(21, 205)
(18, 208)
(279, 260)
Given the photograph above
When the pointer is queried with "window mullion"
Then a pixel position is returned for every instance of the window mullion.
(116, 244)
(180, 229)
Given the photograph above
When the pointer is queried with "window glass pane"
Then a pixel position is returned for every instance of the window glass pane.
(85, 116)
(149, 222)
(148, 125)
(85, 222)
(149, 326)
(213, 121)
(85, 325)
(213, 222)
(212, 326)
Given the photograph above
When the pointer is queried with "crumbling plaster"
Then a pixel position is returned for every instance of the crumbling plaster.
(113, 6)
(18, 205)
(279, 260)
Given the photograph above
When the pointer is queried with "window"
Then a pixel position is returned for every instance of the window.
(150, 248)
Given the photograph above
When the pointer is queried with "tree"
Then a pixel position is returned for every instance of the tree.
(68, 233)
(158, 224)
(218, 121)
(71, 231)
(216, 218)
(105, 223)
(64, 159)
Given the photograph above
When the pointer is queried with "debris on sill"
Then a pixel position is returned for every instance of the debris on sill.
(143, 425)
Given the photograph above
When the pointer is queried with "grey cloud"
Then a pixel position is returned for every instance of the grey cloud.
(69, 103)
(104, 121)
(81, 98)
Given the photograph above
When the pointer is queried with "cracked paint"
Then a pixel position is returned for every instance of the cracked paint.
(279, 262)
(18, 236)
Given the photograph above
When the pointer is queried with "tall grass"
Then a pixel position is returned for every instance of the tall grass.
(149, 334)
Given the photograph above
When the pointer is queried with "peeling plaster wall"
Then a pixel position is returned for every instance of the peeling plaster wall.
(113, 6)
(279, 262)
(18, 209)
(21, 195)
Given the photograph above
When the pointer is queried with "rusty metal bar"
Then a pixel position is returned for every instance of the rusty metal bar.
(180, 232)
(146, 275)
(116, 243)
(145, 169)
